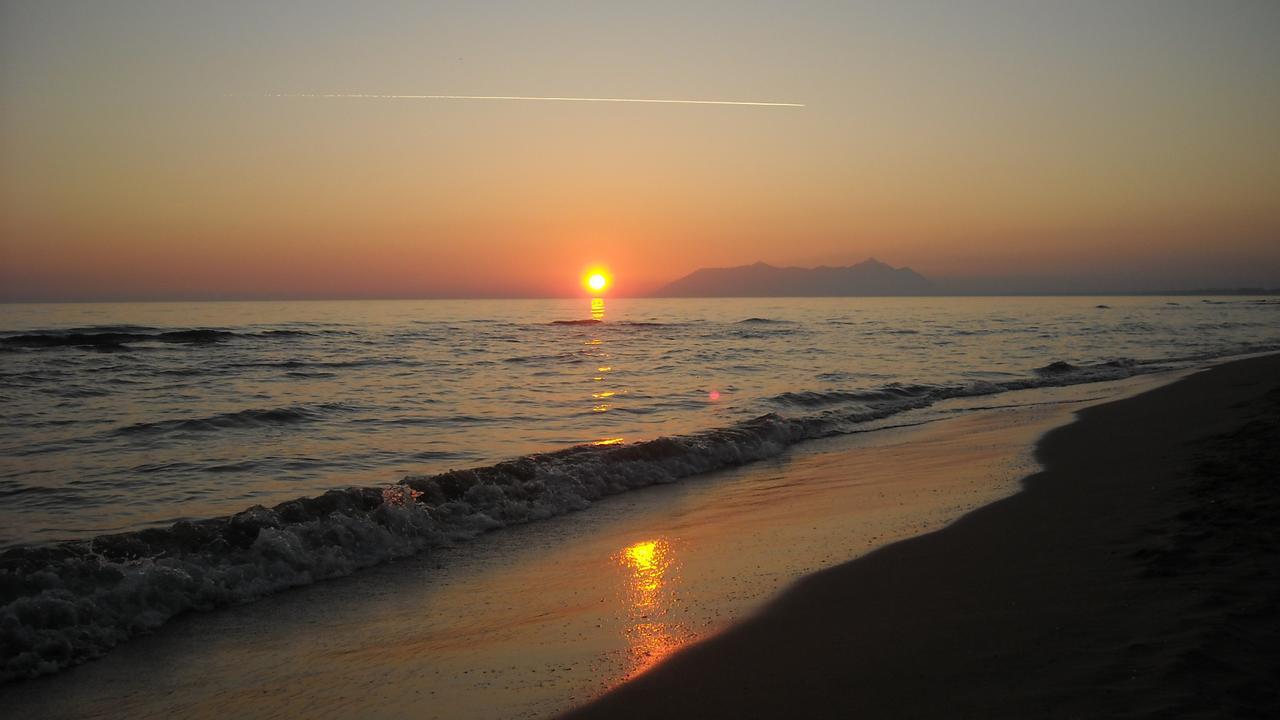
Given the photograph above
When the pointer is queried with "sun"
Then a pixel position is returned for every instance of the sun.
(596, 281)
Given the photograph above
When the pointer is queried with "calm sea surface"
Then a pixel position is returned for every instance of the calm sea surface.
(125, 416)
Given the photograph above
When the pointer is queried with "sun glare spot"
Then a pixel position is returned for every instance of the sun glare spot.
(644, 556)
(596, 281)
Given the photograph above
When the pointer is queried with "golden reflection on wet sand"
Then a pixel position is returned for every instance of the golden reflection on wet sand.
(652, 570)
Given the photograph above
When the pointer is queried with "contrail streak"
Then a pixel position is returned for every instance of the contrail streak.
(368, 96)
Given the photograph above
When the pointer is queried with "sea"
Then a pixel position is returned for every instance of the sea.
(157, 458)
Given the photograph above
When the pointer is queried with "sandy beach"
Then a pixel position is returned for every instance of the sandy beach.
(1133, 577)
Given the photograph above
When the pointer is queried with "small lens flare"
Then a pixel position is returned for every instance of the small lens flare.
(714, 395)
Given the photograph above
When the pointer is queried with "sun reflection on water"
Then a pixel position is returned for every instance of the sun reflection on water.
(600, 398)
(651, 569)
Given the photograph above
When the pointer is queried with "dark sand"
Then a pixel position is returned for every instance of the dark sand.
(1136, 576)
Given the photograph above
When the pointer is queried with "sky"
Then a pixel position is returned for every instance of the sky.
(147, 152)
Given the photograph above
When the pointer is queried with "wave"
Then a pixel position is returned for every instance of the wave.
(764, 321)
(297, 333)
(120, 337)
(322, 364)
(72, 601)
(909, 396)
(64, 603)
(887, 393)
(113, 340)
(1060, 367)
(563, 357)
(1243, 301)
(594, 321)
(252, 418)
(14, 489)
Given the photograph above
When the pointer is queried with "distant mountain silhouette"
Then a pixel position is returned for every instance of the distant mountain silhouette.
(870, 277)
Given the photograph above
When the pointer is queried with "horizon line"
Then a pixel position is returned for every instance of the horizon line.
(373, 96)
(1194, 292)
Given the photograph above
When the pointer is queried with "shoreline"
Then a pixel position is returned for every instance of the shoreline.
(1101, 589)
(460, 628)
(210, 563)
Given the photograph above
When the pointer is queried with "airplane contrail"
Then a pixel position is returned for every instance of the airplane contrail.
(526, 97)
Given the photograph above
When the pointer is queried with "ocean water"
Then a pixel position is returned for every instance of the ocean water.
(158, 458)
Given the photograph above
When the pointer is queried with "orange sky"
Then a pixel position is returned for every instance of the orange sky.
(1094, 145)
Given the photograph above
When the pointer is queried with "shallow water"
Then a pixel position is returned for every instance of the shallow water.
(118, 417)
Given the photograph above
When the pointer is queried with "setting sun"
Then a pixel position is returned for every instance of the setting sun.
(597, 281)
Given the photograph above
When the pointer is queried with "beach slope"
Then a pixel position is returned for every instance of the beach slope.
(1134, 576)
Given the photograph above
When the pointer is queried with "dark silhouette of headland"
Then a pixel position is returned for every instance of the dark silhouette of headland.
(871, 278)
(867, 278)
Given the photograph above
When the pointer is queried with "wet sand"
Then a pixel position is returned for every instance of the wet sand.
(529, 621)
(1135, 576)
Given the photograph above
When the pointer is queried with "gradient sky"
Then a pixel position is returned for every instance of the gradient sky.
(1085, 145)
